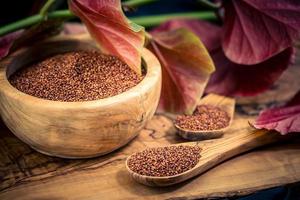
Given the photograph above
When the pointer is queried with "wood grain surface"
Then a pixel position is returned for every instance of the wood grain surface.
(27, 174)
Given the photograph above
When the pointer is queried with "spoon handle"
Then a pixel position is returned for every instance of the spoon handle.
(221, 150)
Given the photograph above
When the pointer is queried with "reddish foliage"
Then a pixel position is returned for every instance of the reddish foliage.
(256, 30)
(285, 119)
(186, 67)
(236, 79)
(231, 78)
(7, 41)
(109, 26)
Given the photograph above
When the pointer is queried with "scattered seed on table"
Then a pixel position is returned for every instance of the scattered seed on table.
(165, 161)
(76, 76)
(205, 117)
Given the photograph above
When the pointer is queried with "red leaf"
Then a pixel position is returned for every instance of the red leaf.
(109, 26)
(285, 119)
(13, 41)
(231, 78)
(236, 79)
(186, 67)
(256, 30)
(7, 41)
(38, 32)
(207, 32)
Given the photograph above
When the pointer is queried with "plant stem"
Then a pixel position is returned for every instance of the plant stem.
(136, 3)
(209, 4)
(20, 24)
(61, 14)
(147, 21)
(46, 7)
(153, 20)
(29, 21)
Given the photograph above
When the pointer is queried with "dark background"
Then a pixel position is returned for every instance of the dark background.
(12, 10)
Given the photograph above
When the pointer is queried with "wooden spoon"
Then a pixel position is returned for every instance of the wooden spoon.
(225, 103)
(213, 153)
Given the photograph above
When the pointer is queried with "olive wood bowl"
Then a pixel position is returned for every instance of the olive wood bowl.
(76, 129)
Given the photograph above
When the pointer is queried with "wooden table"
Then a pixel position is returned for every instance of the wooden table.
(27, 174)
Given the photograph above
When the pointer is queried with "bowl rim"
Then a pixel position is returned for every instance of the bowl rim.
(153, 74)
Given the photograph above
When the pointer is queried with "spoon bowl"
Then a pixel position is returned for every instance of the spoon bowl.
(224, 103)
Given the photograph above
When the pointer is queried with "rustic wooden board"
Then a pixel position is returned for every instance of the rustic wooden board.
(27, 174)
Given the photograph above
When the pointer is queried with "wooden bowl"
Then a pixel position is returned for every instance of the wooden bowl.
(76, 129)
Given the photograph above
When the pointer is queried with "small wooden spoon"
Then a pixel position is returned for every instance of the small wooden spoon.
(213, 153)
(225, 103)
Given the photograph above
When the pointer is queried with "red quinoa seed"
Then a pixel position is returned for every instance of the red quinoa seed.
(76, 76)
(205, 117)
(164, 161)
